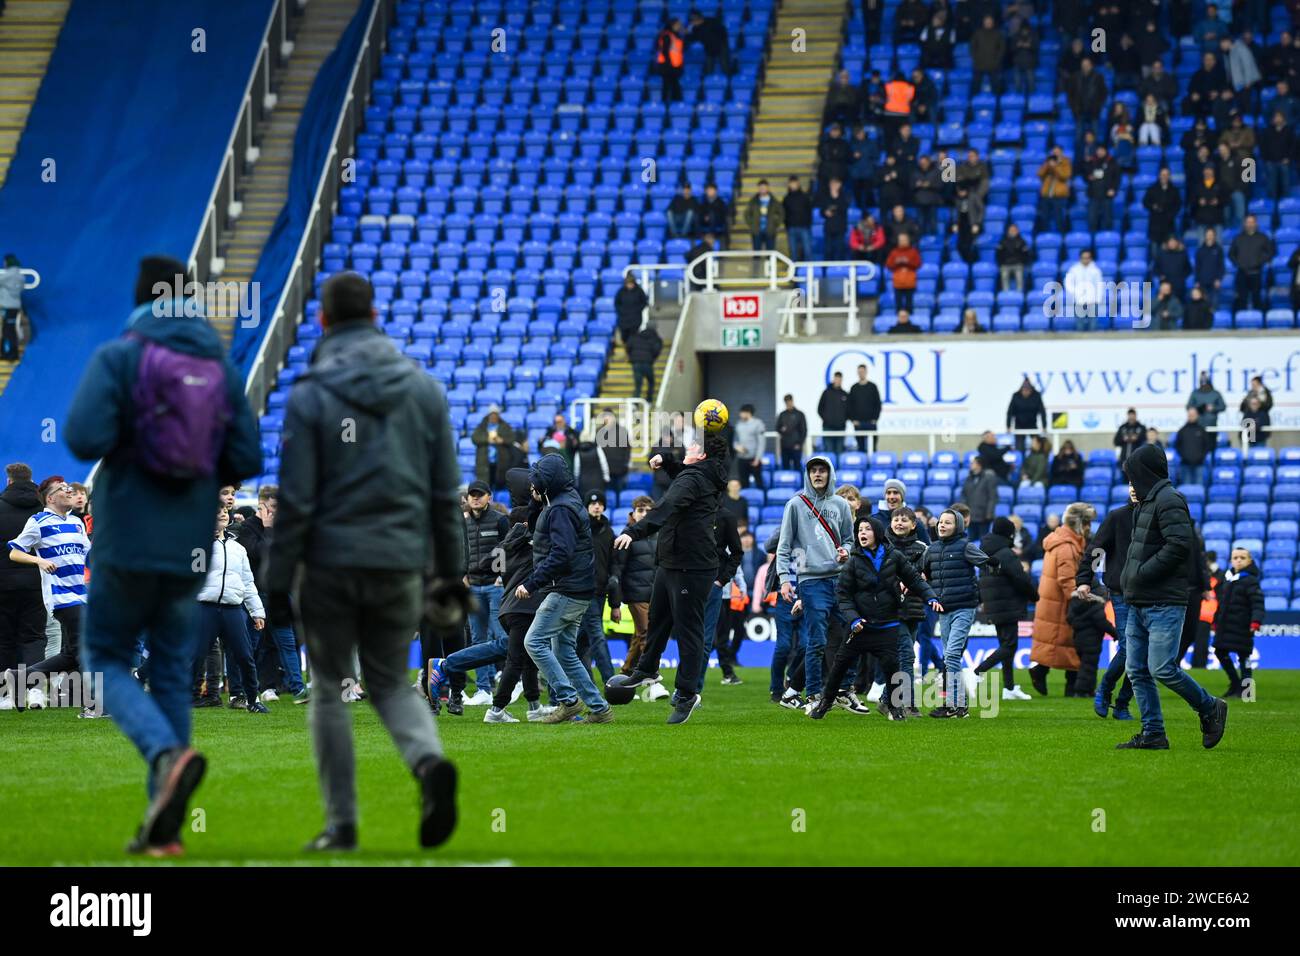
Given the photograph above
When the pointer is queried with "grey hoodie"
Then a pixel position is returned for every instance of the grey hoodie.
(805, 550)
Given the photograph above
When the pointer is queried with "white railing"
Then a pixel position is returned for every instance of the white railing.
(302, 273)
(809, 285)
(633, 414)
(204, 261)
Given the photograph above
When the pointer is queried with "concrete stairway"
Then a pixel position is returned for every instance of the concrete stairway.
(617, 382)
(263, 192)
(788, 122)
(29, 30)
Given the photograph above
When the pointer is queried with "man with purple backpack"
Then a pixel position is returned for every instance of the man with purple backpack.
(165, 412)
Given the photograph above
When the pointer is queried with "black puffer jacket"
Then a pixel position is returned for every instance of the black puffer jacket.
(602, 545)
(18, 502)
(1241, 605)
(635, 567)
(517, 547)
(1155, 569)
(868, 586)
(913, 549)
(1005, 588)
(949, 565)
(684, 517)
(1112, 539)
(483, 535)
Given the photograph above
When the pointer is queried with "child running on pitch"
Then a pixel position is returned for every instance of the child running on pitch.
(870, 599)
(904, 537)
(949, 565)
(1240, 614)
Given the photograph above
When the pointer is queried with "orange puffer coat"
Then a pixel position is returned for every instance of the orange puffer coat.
(1053, 636)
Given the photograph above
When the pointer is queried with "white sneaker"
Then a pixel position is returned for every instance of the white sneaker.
(6, 702)
(517, 692)
(657, 691)
(495, 716)
(352, 695)
(36, 699)
(537, 713)
(875, 693)
(269, 696)
(811, 704)
(1014, 693)
(480, 698)
(851, 703)
(969, 681)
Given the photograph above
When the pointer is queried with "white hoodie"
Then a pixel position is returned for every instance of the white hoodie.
(230, 578)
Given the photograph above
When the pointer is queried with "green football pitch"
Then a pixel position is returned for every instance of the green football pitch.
(744, 782)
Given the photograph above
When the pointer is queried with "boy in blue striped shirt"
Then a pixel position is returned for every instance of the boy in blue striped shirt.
(59, 541)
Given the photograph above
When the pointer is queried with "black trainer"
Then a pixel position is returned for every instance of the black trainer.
(1212, 725)
(456, 703)
(683, 709)
(1145, 742)
(238, 702)
(1038, 677)
(437, 778)
(943, 712)
(639, 678)
(336, 839)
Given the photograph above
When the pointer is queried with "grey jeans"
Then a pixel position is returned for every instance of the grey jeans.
(375, 615)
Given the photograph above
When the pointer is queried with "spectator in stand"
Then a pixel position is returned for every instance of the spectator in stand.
(1026, 410)
(713, 214)
(903, 262)
(1230, 174)
(1293, 264)
(764, 217)
(1167, 311)
(1284, 101)
(833, 410)
(1210, 270)
(980, 493)
(748, 444)
(1207, 401)
(1255, 422)
(1163, 204)
(1012, 255)
(616, 444)
(973, 173)
(1033, 470)
(1151, 46)
(734, 502)
(843, 101)
(864, 407)
(1239, 138)
(899, 94)
(564, 437)
(1153, 122)
(11, 303)
(988, 49)
(1123, 139)
(970, 324)
(1102, 175)
(862, 168)
(861, 236)
(1258, 390)
(670, 60)
(1153, 438)
(873, 98)
(642, 352)
(792, 427)
(797, 210)
(711, 34)
(1054, 194)
(905, 148)
(891, 185)
(833, 157)
(1242, 68)
(1067, 467)
(938, 41)
(1197, 314)
(1130, 435)
(630, 303)
(1193, 444)
(910, 19)
(1173, 266)
(1086, 95)
(994, 455)
(683, 213)
(1084, 291)
(1162, 85)
(1277, 145)
(925, 104)
(701, 248)
(494, 448)
(1251, 251)
(590, 469)
(927, 194)
(899, 224)
(904, 325)
(968, 222)
(1068, 62)
(1206, 87)
(1024, 58)
(835, 222)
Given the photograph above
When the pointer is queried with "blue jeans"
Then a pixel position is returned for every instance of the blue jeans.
(1054, 214)
(955, 628)
(801, 243)
(287, 647)
(906, 663)
(1191, 474)
(788, 633)
(478, 656)
(712, 609)
(1153, 634)
(122, 604)
(484, 626)
(592, 633)
(819, 604)
(552, 643)
(1116, 669)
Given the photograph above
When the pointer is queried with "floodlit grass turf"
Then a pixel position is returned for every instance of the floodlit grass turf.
(1022, 788)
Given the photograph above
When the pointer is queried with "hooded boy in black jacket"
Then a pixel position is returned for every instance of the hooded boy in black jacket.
(904, 535)
(1154, 581)
(591, 633)
(1240, 614)
(1086, 613)
(870, 599)
(1005, 590)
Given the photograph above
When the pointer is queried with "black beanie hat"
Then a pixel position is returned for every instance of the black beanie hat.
(1004, 527)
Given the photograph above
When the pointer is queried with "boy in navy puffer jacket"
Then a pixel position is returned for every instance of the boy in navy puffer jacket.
(949, 565)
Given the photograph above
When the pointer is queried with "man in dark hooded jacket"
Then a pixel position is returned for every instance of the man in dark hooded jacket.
(364, 425)
(1154, 582)
(564, 563)
(688, 566)
(591, 634)
(22, 609)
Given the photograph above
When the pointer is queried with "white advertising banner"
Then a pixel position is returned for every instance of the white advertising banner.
(964, 384)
